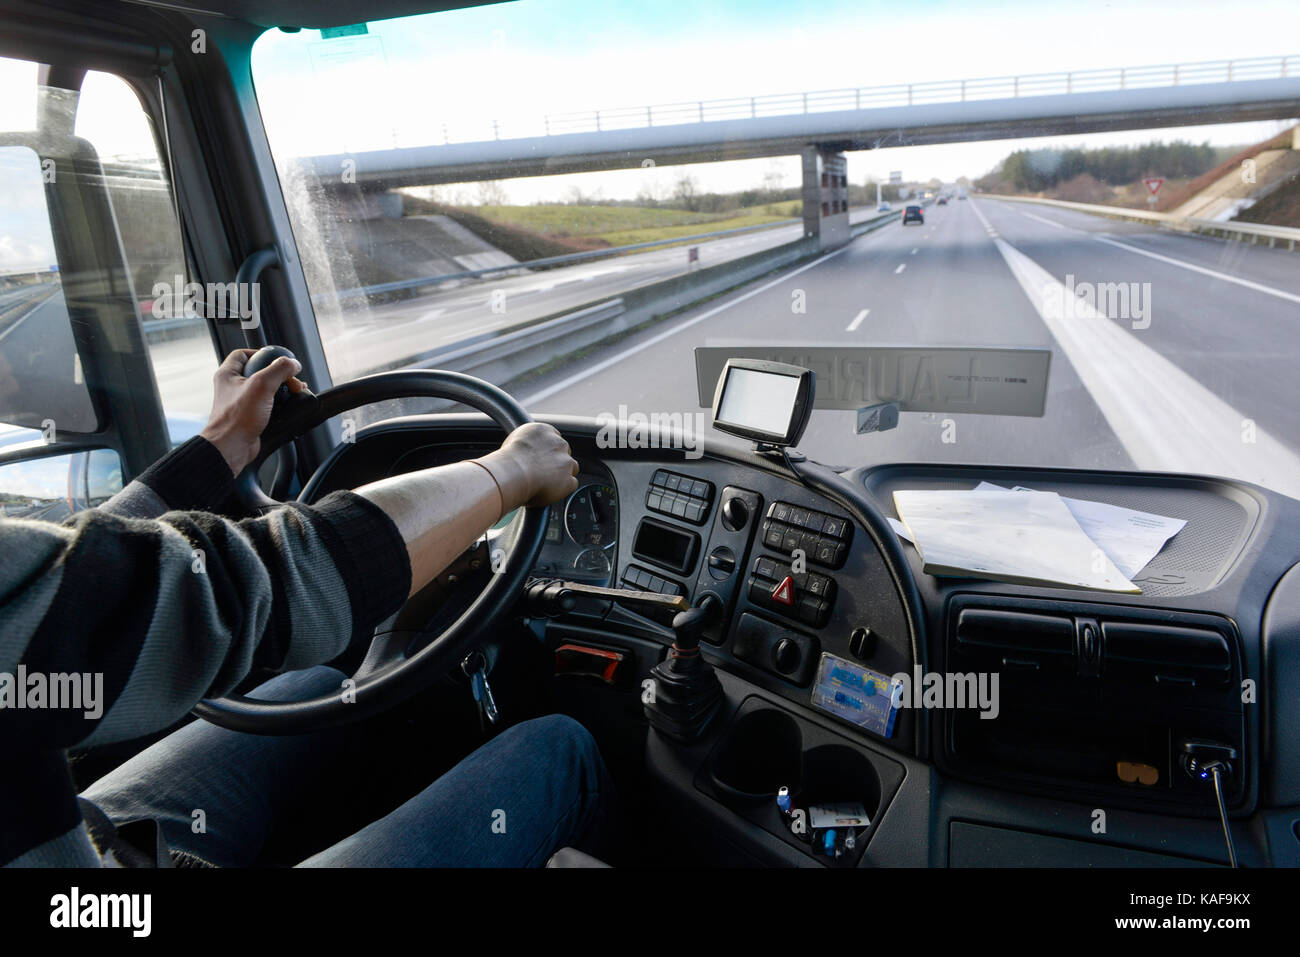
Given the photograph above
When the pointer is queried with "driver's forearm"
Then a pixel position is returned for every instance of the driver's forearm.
(439, 513)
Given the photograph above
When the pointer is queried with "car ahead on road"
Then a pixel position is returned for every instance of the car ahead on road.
(913, 213)
(941, 201)
(883, 208)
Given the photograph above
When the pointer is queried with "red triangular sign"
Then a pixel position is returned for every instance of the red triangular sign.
(1154, 184)
(784, 592)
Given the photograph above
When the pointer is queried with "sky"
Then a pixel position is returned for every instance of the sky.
(409, 81)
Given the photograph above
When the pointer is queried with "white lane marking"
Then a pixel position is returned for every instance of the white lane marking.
(914, 251)
(590, 371)
(901, 267)
(1049, 222)
(1165, 419)
(857, 320)
(1258, 287)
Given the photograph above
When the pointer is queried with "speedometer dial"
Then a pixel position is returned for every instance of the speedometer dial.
(591, 516)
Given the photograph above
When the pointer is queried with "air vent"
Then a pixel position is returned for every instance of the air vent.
(1015, 639)
(1166, 654)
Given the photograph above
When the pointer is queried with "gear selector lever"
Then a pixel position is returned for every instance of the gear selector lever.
(687, 692)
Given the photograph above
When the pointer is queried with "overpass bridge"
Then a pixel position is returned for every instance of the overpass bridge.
(863, 118)
(821, 126)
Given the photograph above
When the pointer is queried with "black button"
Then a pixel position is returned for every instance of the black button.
(774, 536)
(695, 511)
(765, 567)
(835, 527)
(780, 511)
(790, 540)
(660, 478)
(816, 585)
(798, 516)
(674, 481)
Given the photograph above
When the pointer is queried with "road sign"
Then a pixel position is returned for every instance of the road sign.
(1154, 184)
(693, 254)
(895, 177)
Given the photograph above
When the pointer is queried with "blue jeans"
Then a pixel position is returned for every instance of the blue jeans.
(538, 786)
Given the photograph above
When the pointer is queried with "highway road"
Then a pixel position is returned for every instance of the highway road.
(1198, 376)
(1205, 382)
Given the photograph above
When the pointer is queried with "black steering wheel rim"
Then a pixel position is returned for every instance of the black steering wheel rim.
(388, 686)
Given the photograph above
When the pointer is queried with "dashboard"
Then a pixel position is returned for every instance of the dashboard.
(1101, 698)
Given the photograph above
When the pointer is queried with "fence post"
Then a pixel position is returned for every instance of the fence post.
(805, 102)
(546, 124)
(701, 105)
(753, 109)
(649, 117)
(963, 91)
(909, 94)
(598, 121)
(1121, 78)
(1015, 87)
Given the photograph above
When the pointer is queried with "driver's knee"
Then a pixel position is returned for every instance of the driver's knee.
(574, 767)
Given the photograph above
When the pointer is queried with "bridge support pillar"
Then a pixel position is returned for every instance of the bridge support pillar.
(825, 196)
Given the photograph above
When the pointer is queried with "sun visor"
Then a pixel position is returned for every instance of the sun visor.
(981, 381)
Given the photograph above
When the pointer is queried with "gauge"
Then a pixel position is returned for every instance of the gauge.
(590, 516)
(593, 561)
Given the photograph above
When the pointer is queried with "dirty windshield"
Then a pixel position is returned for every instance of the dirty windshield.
(1044, 259)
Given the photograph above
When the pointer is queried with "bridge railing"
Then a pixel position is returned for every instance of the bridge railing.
(900, 94)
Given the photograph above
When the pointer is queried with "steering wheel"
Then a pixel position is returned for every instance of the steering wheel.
(388, 675)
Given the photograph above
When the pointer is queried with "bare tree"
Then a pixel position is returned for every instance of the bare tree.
(491, 193)
(685, 192)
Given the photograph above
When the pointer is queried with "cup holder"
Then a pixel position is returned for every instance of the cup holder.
(837, 774)
(762, 753)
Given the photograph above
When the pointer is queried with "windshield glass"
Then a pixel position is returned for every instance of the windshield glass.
(569, 198)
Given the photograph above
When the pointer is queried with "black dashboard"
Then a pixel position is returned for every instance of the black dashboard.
(1101, 698)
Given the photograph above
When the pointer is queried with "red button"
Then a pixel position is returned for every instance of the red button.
(784, 592)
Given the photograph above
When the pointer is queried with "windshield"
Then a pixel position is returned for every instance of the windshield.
(569, 198)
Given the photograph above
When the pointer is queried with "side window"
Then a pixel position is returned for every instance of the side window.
(93, 278)
(180, 349)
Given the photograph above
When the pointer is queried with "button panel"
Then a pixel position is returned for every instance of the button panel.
(680, 496)
(813, 597)
(637, 578)
(824, 538)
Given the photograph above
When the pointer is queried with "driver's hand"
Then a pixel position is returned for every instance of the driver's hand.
(532, 467)
(241, 407)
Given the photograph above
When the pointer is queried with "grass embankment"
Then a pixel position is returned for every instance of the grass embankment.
(595, 227)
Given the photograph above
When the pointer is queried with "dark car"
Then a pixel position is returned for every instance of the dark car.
(942, 201)
(913, 213)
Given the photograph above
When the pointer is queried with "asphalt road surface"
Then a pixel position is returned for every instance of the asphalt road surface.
(1205, 381)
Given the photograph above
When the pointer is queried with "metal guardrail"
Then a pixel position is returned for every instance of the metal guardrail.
(1255, 231)
(870, 97)
(492, 339)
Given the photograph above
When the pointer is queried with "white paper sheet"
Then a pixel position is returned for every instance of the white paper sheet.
(1006, 535)
(1129, 537)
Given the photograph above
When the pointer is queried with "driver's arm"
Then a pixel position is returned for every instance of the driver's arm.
(171, 610)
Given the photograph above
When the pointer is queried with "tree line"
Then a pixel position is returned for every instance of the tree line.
(1042, 169)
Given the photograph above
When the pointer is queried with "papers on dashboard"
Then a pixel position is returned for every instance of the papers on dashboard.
(1022, 537)
(1129, 537)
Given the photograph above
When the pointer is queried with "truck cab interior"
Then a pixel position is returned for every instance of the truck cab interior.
(740, 621)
